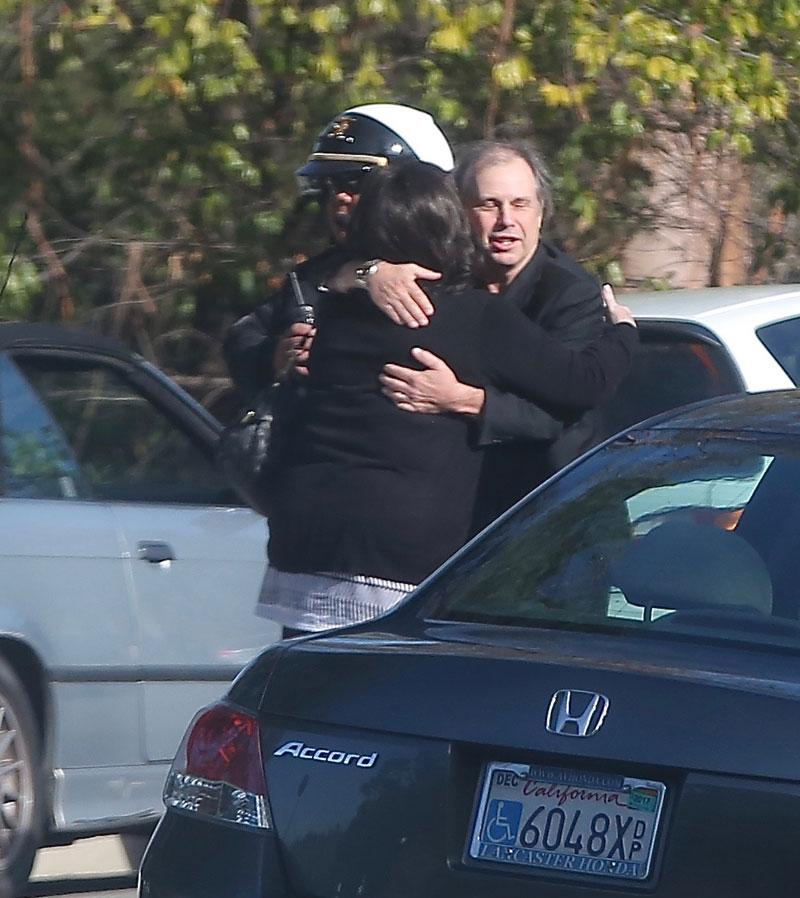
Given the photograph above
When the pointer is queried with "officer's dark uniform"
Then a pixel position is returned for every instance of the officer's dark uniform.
(250, 343)
(348, 147)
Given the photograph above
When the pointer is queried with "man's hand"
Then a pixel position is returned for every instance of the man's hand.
(431, 391)
(393, 289)
(292, 350)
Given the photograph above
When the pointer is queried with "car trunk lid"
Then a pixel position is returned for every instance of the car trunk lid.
(377, 749)
(668, 701)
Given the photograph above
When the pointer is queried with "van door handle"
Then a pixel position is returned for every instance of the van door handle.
(155, 552)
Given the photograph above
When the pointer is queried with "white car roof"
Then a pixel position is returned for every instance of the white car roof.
(734, 315)
(753, 305)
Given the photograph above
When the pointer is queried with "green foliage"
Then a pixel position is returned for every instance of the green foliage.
(165, 132)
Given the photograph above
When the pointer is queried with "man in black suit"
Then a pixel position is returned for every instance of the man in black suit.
(504, 186)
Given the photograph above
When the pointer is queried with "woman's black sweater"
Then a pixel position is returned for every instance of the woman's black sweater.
(369, 489)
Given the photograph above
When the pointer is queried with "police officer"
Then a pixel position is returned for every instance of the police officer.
(264, 345)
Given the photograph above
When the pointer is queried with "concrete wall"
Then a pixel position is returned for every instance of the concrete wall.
(701, 230)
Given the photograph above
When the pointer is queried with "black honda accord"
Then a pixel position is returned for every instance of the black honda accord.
(599, 696)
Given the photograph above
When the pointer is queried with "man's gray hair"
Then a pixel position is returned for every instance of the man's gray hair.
(477, 156)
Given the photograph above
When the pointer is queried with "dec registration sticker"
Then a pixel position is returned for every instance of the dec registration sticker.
(576, 821)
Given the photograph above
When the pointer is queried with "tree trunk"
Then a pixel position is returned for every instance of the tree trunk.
(498, 55)
(35, 193)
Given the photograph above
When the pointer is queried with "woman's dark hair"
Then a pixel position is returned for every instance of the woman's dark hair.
(411, 212)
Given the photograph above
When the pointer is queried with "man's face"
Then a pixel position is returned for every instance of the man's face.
(342, 193)
(506, 215)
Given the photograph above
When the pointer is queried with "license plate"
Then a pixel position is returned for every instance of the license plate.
(575, 821)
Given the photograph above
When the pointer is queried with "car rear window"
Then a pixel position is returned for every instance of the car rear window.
(782, 339)
(675, 365)
(677, 534)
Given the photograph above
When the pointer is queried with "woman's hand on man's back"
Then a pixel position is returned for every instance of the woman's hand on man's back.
(615, 311)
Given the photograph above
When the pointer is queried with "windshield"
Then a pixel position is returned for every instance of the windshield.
(675, 533)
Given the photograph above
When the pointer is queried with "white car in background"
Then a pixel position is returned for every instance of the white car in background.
(697, 344)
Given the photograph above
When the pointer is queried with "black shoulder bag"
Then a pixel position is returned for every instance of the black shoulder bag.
(251, 449)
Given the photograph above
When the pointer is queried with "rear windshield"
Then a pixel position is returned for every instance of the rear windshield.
(675, 365)
(676, 533)
(782, 339)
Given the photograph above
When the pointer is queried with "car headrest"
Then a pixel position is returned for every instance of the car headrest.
(685, 565)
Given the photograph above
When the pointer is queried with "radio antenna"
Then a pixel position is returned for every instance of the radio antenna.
(17, 242)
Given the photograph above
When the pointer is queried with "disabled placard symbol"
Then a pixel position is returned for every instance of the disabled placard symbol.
(502, 822)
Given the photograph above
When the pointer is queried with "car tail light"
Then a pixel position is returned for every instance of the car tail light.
(218, 772)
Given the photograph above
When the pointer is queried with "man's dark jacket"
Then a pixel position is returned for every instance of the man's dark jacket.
(527, 446)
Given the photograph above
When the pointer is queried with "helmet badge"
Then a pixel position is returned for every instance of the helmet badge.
(340, 127)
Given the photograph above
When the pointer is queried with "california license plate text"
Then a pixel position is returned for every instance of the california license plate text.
(575, 821)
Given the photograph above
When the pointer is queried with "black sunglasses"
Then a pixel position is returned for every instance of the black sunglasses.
(342, 183)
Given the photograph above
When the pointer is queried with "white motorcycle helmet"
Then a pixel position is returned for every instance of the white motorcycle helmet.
(377, 134)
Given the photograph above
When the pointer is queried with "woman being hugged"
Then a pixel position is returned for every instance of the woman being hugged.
(370, 498)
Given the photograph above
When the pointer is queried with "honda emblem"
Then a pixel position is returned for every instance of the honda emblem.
(573, 712)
